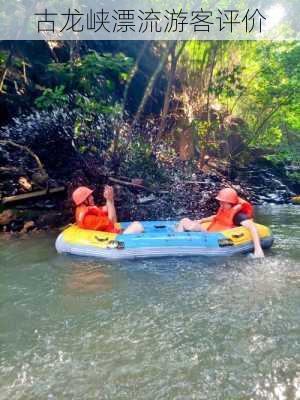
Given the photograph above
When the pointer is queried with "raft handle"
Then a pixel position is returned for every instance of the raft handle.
(238, 235)
(101, 239)
(159, 226)
(115, 244)
(225, 242)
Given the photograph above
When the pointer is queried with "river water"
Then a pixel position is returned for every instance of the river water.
(155, 329)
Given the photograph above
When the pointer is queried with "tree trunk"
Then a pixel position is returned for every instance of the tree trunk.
(174, 60)
(271, 113)
(115, 146)
(150, 85)
(215, 48)
(134, 70)
(6, 68)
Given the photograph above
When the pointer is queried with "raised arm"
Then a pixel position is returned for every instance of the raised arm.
(110, 203)
(207, 219)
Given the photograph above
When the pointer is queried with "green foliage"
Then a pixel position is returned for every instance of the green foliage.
(92, 85)
(270, 138)
(90, 106)
(203, 132)
(95, 82)
(97, 76)
(228, 83)
(140, 162)
(292, 117)
(87, 123)
(272, 100)
(52, 98)
(201, 127)
(283, 156)
(294, 176)
(3, 58)
(259, 82)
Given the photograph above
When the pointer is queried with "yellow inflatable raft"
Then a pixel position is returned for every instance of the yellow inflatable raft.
(295, 200)
(159, 240)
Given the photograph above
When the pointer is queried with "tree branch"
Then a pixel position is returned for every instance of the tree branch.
(27, 149)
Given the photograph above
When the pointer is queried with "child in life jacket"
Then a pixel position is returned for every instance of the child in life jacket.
(233, 211)
(90, 216)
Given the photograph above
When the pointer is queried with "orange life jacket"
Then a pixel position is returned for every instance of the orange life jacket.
(224, 219)
(94, 218)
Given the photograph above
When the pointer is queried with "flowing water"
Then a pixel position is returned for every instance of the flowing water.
(156, 329)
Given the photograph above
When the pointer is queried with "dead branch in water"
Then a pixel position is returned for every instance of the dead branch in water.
(130, 184)
(27, 149)
(27, 196)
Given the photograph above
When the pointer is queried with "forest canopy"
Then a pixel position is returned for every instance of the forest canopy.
(225, 99)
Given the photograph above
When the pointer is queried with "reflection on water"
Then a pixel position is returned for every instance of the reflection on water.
(190, 328)
(87, 277)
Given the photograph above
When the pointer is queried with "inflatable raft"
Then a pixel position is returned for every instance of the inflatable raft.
(158, 240)
(295, 200)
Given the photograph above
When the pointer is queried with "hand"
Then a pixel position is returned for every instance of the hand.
(27, 226)
(108, 193)
(258, 253)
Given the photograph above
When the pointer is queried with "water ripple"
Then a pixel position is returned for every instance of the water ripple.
(171, 329)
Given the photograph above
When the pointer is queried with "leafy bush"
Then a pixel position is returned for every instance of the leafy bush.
(294, 176)
(91, 86)
(95, 76)
(140, 162)
(52, 98)
(283, 157)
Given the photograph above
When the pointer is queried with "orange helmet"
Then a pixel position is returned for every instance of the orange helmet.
(81, 194)
(228, 195)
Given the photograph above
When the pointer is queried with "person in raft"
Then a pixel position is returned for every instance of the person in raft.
(233, 211)
(90, 216)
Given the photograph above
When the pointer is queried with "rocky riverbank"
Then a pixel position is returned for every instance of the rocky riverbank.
(182, 194)
(41, 163)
